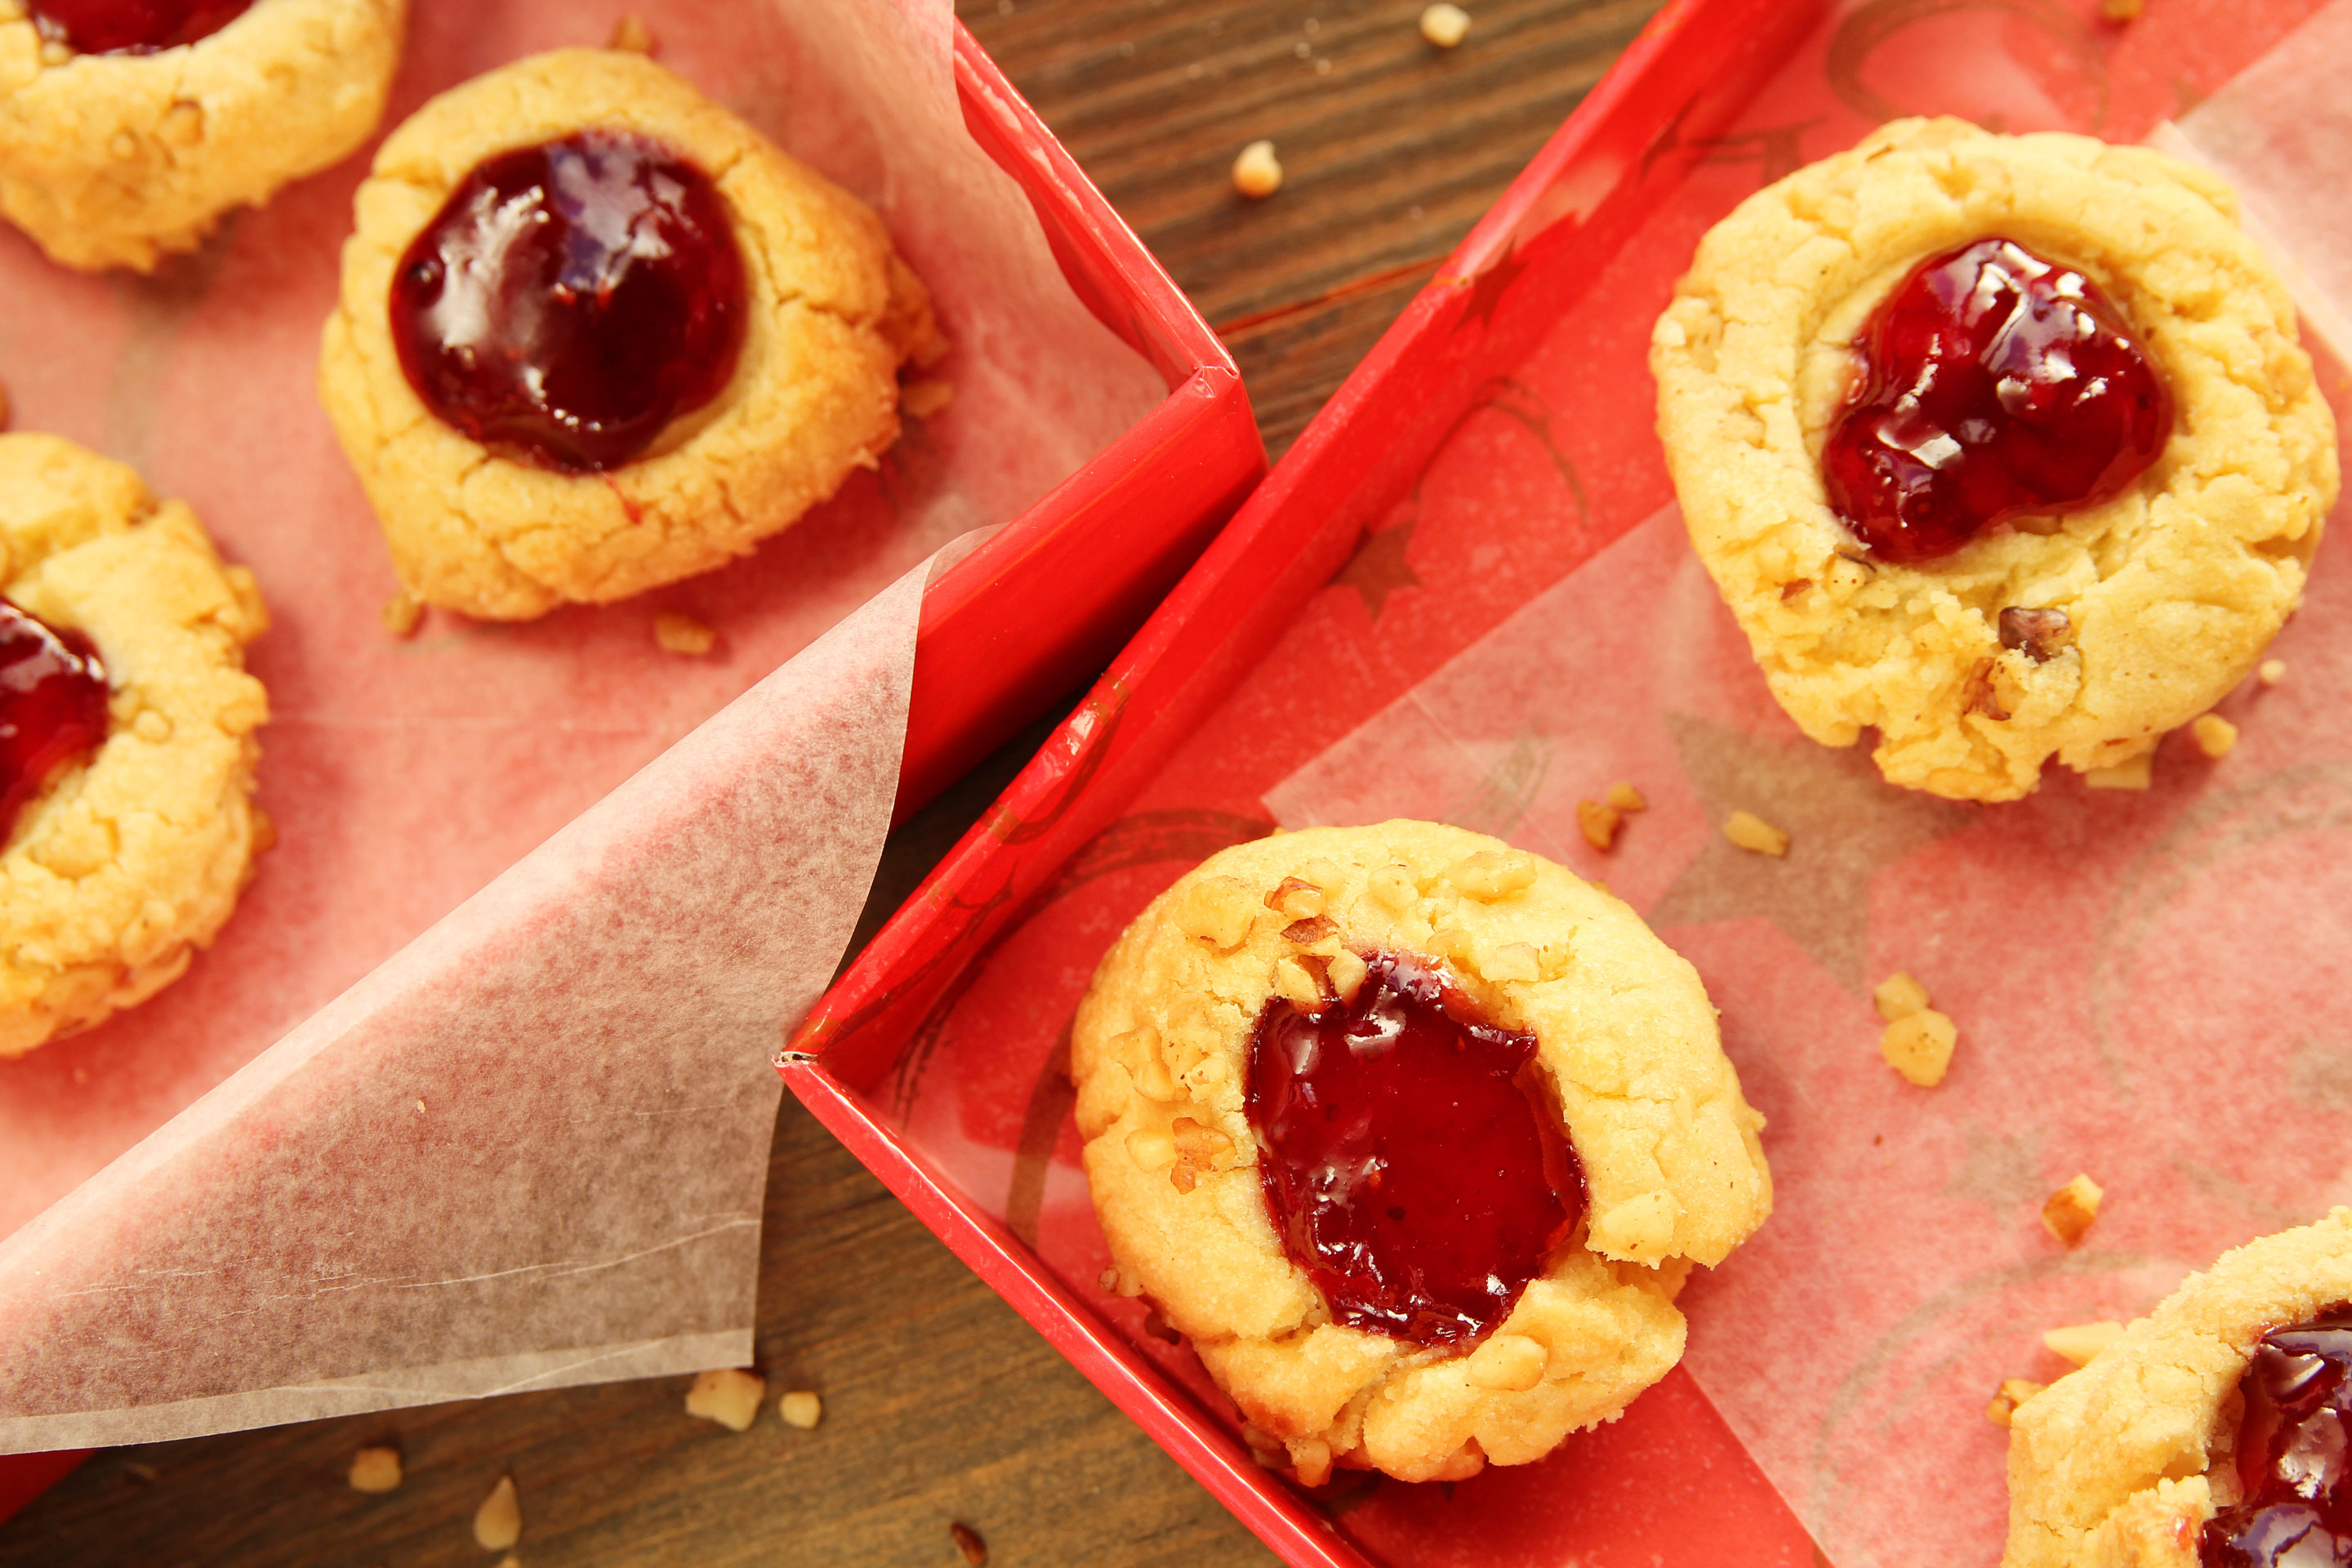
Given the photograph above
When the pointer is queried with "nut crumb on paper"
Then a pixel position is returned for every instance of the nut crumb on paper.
(801, 1409)
(2138, 773)
(921, 399)
(2012, 1393)
(729, 1395)
(2071, 1209)
(2270, 672)
(1899, 997)
(403, 614)
(968, 1542)
(2215, 736)
(497, 1523)
(1625, 797)
(2120, 10)
(1599, 824)
(1257, 174)
(1446, 26)
(1753, 833)
(2078, 1343)
(683, 634)
(375, 1468)
(631, 37)
(1919, 1045)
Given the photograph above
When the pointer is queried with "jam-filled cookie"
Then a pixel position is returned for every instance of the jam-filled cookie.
(127, 750)
(598, 334)
(2212, 1433)
(128, 128)
(2001, 446)
(1415, 1136)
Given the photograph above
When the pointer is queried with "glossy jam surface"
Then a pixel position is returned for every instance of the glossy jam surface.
(1407, 1162)
(133, 27)
(1993, 384)
(572, 299)
(52, 705)
(2296, 1511)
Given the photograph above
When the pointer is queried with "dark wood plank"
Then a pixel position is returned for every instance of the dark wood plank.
(940, 1403)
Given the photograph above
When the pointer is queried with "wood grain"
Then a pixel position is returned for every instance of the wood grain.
(941, 1405)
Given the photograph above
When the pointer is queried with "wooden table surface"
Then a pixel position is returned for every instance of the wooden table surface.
(941, 1405)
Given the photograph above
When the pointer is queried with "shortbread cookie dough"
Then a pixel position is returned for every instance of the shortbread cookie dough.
(1626, 1062)
(831, 313)
(2083, 635)
(120, 160)
(2121, 1464)
(124, 866)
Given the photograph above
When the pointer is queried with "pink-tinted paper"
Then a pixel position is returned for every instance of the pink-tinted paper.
(403, 776)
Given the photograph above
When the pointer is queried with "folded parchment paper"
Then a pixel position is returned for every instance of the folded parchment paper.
(403, 776)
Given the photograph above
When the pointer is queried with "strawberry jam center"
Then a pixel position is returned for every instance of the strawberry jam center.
(1410, 1161)
(2295, 1511)
(52, 705)
(133, 27)
(1993, 384)
(572, 299)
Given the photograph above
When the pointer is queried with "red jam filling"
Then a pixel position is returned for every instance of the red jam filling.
(572, 299)
(2295, 1511)
(133, 27)
(52, 705)
(1993, 384)
(1410, 1161)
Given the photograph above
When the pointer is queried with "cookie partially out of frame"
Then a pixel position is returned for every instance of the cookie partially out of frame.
(1625, 1040)
(122, 868)
(2170, 590)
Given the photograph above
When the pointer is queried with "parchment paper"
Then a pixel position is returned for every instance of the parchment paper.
(403, 776)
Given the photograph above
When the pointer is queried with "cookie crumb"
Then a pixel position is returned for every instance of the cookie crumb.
(2012, 1393)
(926, 397)
(683, 634)
(803, 1409)
(1625, 797)
(1151, 1151)
(2137, 774)
(376, 1469)
(403, 614)
(497, 1523)
(1919, 1045)
(729, 1395)
(1899, 997)
(2215, 736)
(1599, 824)
(968, 1542)
(631, 37)
(2071, 1208)
(1256, 173)
(2270, 672)
(1446, 26)
(1751, 832)
(2078, 1343)
(1507, 1363)
(2120, 10)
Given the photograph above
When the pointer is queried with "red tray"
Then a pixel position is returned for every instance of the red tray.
(974, 978)
(1097, 551)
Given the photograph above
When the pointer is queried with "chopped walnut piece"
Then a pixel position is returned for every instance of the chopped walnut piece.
(2039, 635)
(2137, 772)
(1296, 897)
(1257, 174)
(1446, 26)
(683, 634)
(1394, 885)
(2215, 736)
(1148, 1069)
(1218, 910)
(968, 1542)
(1307, 933)
(1625, 797)
(2012, 1393)
(729, 1395)
(1898, 996)
(1151, 1151)
(1978, 694)
(1919, 1045)
(2270, 672)
(631, 37)
(497, 1523)
(1793, 588)
(1599, 824)
(403, 614)
(801, 1409)
(2071, 1208)
(1346, 973)
(1310, 1460)
(1492, 874)
(922, 399)
(1198, 1148)
(2078, 1343)
(1297, 984)
(1753, 833)
(1513, 961)
(376, 1469)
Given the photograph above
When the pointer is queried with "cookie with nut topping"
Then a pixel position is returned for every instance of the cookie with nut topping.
(1415, 1136)
(2001, 447)
(127, 753)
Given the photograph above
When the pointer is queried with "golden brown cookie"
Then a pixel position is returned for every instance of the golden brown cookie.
(2120, 1464)
(118, 159)
(121, 868)
(2085, 635)
(832, 313)
(1626, 1067)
